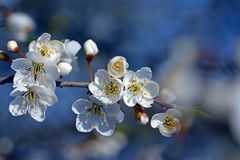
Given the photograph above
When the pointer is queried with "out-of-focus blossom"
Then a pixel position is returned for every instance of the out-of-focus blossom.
(105, 88)
(139, 88)
(168, 123)
(13, 46)
(50, 49)
(20, 25)
(33, 100)
(64, 68)
(34, 70)
(117, 66)
(90, 49)
(167, 95)
(95, 114)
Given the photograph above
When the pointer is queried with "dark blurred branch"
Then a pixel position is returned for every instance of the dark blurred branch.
(9, 79)
(164, 104)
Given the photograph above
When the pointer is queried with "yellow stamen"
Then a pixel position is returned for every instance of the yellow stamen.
(169, 122)
(135, 88)
(111, 88)
(118, 66)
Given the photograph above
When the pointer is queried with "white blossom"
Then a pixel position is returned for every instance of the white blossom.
(94, 114)
(105, 88)
(167, 95)
(168, 123)
(20, 24)
(34, 100)
(71, 48)
(34, 70)
(139, 88)
(90, 48)
(117, 66)
(50, 49)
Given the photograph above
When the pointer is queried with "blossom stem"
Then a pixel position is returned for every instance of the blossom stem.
(90, 70)
(61, 84)
(21, 54)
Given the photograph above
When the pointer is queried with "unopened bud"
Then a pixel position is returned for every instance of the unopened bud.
(141, 115)
(4, 57)
(90, 49)
(64, 68)
(13, 46)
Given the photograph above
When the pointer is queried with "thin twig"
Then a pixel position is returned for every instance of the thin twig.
(9, 79)
(90, 70)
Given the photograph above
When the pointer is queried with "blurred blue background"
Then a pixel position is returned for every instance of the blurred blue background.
(193, 48)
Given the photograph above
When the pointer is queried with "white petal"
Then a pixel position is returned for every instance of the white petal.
(35, 57)
(175, 113)
(105, 126)
(51, 70)
(81, 106)
(164, 131)
(157, 120)
(21, 64)
(38, 112)
(93, 99)
(16, 107)
(101, 77)
(151, 89)
(144, 73)
(85, 123)
(95, 89)
(129, 99)
(72, 48)
(32, 46)
(144, 102)
(114, 110)
(44, 38)
(47, 96)
(57, 45)
(18, 92)
(128, 78)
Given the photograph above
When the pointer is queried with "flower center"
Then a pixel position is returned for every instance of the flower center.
(37, 69)
(45, 50)
(31, 97)
(118, 66)
(169, 122)
(111, 88)
(135, 88)
(98, 111)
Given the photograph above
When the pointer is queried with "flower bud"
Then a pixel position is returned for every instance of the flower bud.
(4, 57)
(13, 46)
(64, 68)
(141, 115)
(90, 49)
(117, 66)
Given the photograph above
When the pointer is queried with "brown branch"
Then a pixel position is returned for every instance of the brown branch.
(9, 79)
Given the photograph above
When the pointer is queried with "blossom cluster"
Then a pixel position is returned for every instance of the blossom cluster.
(34, 81)
(110, 90)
